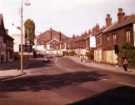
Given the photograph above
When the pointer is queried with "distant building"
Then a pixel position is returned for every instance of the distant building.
(17, 41)
(6, 43)
(79, 44)
(84, 43)
(51, 41)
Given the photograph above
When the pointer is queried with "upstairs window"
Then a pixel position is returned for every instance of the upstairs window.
(114, 38)
(128, 36)
(108, 38)
(99, 40)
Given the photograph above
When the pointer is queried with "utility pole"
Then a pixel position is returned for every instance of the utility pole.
(21, 54)
(22, 35)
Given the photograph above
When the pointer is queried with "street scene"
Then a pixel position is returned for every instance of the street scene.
(67, 53)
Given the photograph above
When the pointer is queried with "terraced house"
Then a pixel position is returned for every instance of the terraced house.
(80, 44)
(6, 43)
(113, 36)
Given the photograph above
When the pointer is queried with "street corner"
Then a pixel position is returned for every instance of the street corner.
(11, 74)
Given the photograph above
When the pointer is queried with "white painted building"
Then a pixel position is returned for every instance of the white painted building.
(17, 41)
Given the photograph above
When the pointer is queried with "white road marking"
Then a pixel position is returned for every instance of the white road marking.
(121, 83)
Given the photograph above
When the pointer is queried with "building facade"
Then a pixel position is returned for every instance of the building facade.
(113, 36)
(52, 41)
(6, 43)
(79, 44)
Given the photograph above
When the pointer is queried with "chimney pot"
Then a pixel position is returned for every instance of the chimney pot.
(108, 20)
(120, 10)
(120, 15)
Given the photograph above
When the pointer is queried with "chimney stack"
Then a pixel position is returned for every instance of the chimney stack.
(97, 28)
(108, 20)
(51, 34)
(60, 36)
(121, 15)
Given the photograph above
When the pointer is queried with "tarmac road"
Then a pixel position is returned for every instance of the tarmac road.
(62, 82)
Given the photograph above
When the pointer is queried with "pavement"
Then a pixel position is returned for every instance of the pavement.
(57, 86)
(10, 74)
(102, 66)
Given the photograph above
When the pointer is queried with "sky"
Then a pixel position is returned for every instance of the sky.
(68, 16)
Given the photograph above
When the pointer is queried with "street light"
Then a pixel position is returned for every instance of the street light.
(21, 54)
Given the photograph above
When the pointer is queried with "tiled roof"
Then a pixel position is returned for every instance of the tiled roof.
(127, 21)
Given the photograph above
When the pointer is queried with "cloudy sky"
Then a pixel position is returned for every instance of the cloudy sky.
(68, 16)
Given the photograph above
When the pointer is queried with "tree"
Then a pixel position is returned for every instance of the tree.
(29, 31)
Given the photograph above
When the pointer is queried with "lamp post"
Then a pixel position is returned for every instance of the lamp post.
(22, 33)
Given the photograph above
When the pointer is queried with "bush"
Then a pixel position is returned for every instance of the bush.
(128, 50)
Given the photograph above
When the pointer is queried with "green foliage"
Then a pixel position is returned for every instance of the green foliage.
(29, 31)
(128, 50)
(127, 46)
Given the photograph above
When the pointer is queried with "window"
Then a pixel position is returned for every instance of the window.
(108, 38)
(99, 40)
(128, 36)
(114, 38)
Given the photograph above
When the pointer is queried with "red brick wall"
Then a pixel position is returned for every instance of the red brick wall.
(108, 42)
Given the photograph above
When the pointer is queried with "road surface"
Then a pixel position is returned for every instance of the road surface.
(64, 82)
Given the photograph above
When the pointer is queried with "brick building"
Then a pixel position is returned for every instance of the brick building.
(6, 43)
(79, 44)
(113, 36)
(52, 40)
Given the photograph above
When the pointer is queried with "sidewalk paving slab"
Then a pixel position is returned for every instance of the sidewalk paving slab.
(10, 74)
(108, 67)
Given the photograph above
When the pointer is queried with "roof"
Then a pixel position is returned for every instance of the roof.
(48, 35)
(1, 21)
(82, 37)
(3, 30)
(1, 18)
(127, 21)
(53, 40)
(9, 37)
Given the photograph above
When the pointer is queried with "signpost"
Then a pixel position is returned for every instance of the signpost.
(92, 41)
(21, 46)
